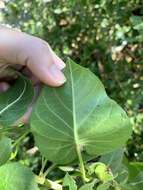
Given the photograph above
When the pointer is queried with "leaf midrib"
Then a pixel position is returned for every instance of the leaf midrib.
(76, 137)
(73, 107)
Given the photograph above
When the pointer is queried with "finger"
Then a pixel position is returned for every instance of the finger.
(23, 49)
(44, 63)
(59, 62)
(38, 56)
(49, 74)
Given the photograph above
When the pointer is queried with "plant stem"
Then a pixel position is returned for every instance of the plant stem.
(21, 138)
(48, 170)
(81, 164)
(48, 183)
(44, 162)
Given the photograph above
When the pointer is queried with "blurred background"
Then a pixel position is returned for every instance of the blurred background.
(104, 35)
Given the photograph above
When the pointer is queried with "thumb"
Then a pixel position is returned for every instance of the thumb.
(38, 56)
(21, 48)
(48, 73)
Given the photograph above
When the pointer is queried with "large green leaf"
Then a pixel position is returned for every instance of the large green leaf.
(78, 117)
(5, 149)
(15, 176)
(15, 101)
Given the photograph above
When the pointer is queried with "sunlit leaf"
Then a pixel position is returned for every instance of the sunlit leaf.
(79, 116)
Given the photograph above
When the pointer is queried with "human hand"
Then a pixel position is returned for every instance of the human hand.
(17, 48)
(26, 52)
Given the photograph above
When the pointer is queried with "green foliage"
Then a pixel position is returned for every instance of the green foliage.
(104, 186)
(15, 101)
(103, 173)
(16, 176)
(69, 126)
(69, 182)
(5, 149)
(134, 168)
(106, 37)
(113, 159)
(86, 121)
(88, 186)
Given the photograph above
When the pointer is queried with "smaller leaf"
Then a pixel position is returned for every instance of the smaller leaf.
(101, 171)
(15, 101)
(137, 22)
(15, 176)
(5, 149)
(126, 187)
(134, 180)
(69, 182)
(104, 186)
(123, 174)
(88, 186)
(66, 168)
(113, 159)
(134, 169)
(137, 182)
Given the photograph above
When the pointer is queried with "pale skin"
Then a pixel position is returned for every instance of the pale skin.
(18, 48)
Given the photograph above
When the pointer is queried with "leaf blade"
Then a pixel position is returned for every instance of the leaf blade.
(82, 115)
(5, 149)
(14, 102)
(68, 181)
(16, 176)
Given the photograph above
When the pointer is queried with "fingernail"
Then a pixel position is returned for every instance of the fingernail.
(58, 61)
(60, 64)
(56, 74)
